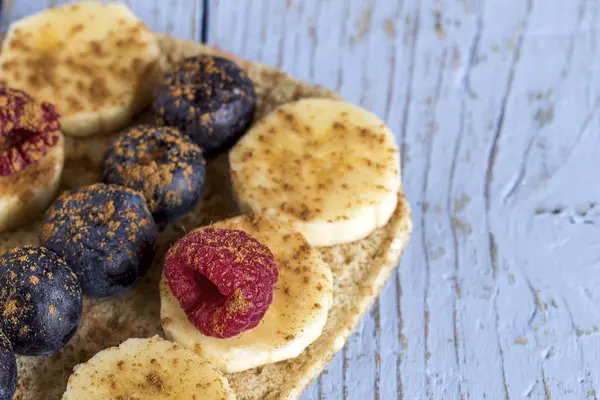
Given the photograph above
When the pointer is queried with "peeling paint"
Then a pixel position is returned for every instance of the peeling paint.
(456, 58)
(462, 226)
(545, 116)
(439, 28)
(389, 28)
(461, 202)
(437, 253)
(521, 341)
(364, 26)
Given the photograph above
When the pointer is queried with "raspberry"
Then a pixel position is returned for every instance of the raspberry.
(28, 130)
(224, 280)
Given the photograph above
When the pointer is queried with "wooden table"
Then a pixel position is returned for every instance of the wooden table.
(495, 106)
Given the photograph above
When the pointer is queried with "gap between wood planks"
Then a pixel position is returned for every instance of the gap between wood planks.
(205, 18)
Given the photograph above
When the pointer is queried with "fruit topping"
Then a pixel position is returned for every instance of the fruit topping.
(8, 369)
(28, 130)
(296, 318)
(159, 162)
(98, 63)
(211, 99)
(223, 278)
(147, 369)
(331, 167)
(40, 300)
(105, 233)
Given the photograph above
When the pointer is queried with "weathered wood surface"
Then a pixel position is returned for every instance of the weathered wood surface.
(495, 105)
(182, 18)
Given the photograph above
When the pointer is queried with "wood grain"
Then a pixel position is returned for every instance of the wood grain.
(495, 107)
(180, 18)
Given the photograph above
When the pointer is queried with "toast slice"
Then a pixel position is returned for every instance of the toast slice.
(360, 269)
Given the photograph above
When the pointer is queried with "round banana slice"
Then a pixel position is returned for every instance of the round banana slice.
(147, 369)
(296, 317)
(98, 63)
(330, 167)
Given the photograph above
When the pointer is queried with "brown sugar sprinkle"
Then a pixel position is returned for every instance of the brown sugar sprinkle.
(154, 380)
(76, 29)
(96, 48)
(338, 126)
(10, 308)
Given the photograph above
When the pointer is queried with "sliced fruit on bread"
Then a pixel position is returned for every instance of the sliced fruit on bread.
(360, 269)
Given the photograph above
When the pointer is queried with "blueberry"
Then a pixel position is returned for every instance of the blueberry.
(8, 369)
(211, 99)
(40, 300)
(105, 233)
(167, 167)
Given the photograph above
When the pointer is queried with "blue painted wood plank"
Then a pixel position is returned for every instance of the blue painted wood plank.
(545, 122)
(181, 18)
(239, 26)
(409, 377)
(414, 122)
(485, 368)
(441, 122)
(385, 36)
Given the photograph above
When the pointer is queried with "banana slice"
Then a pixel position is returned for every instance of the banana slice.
(96, 62)
(302, 298)
(25, 194)
(330, 167)
(147, 369)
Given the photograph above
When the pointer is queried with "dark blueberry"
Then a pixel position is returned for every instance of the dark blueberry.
(40, 301)
(211, 99)
(105, 233)
(8, 369)
(167, 167)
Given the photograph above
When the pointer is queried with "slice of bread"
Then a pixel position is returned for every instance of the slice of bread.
(360, 269)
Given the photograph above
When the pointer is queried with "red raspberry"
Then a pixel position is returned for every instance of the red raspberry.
(28, 130)
(224, 280)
